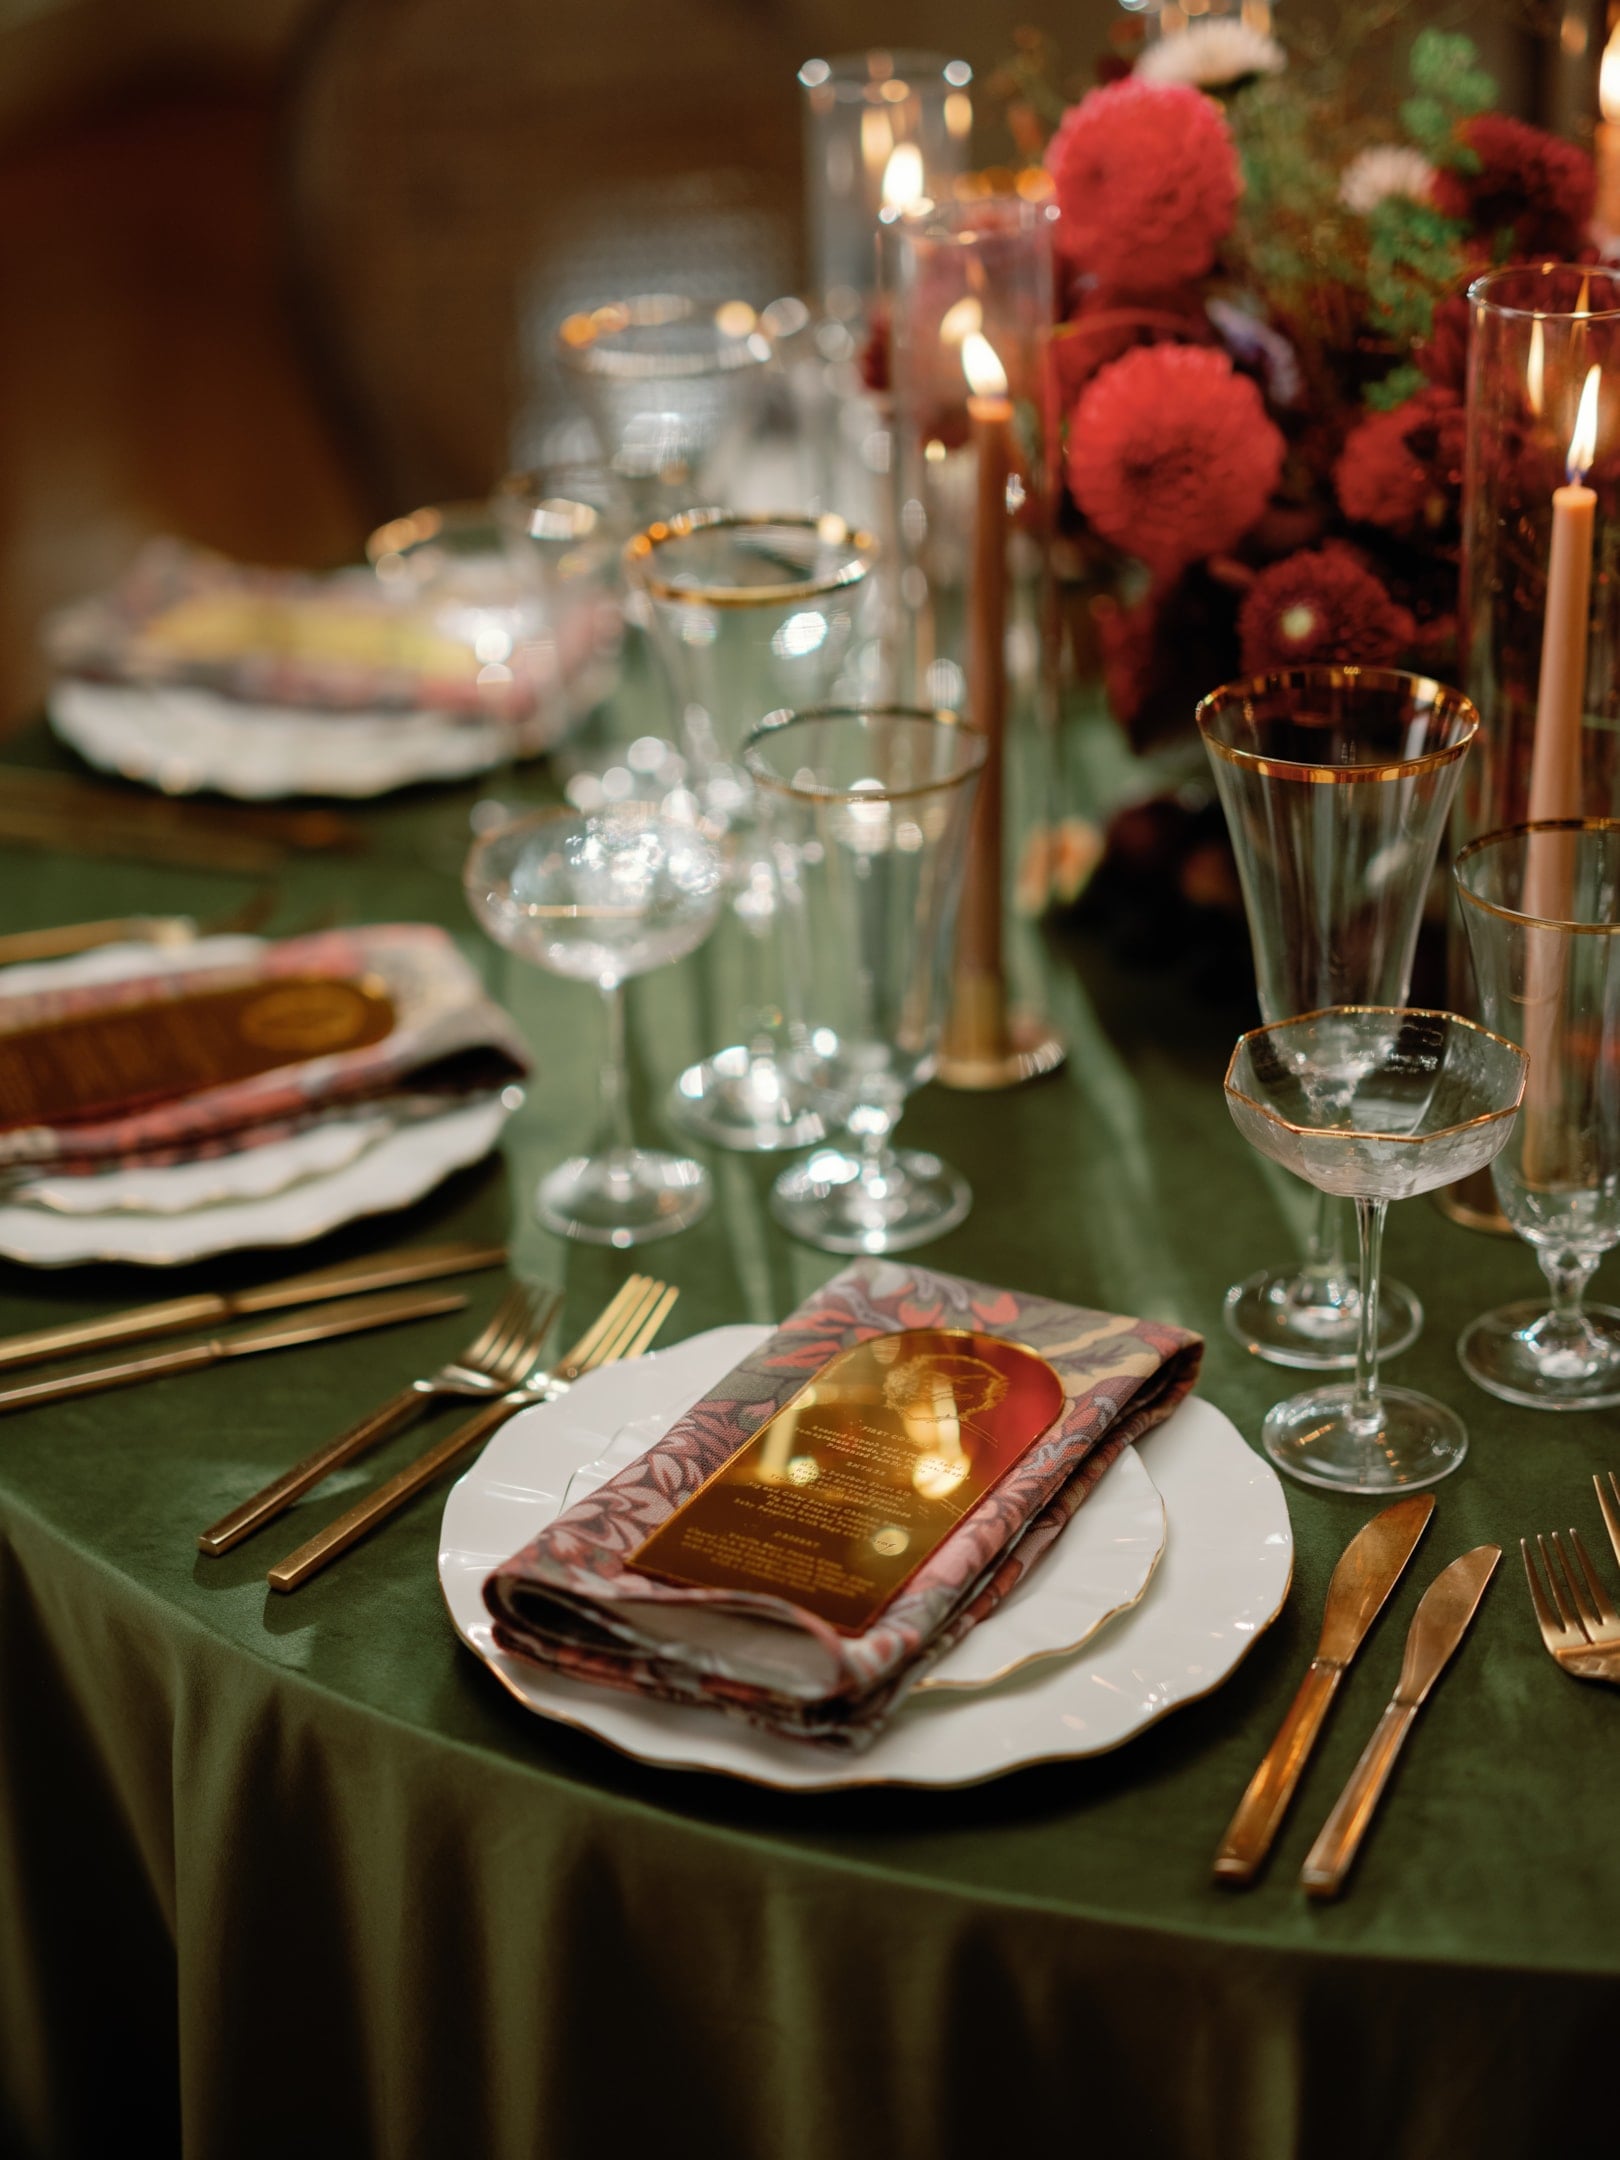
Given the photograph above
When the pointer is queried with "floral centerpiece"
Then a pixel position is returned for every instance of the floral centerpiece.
(1261, 363)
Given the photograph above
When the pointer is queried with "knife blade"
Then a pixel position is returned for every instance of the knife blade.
(1369, 1568)
(173, 1316)
(1438, 1626)
(319, 1324)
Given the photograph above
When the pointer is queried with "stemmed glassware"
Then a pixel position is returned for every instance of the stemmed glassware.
(600, 899)
(1336, 783)
(1373, 1103)
(868, 811)
(1541, 907)
(668, 384)
(751, 614)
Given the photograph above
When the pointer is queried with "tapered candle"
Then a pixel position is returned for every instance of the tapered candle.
(1606, 141)
(978, 1023)
(1555, 764)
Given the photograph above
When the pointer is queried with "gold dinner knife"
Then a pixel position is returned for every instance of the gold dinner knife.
(1438, 1626)
(174, 1316)
(1369, 1568)
(318, 1324)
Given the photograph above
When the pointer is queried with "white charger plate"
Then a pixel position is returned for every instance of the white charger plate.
(284, 1193)
(1221, 1580)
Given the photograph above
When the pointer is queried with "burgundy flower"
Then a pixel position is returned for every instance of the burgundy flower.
(1443, 354)
(1147, 182)
(1402, 470)
(1172, 455)
(1533, 184)
(1321, 606)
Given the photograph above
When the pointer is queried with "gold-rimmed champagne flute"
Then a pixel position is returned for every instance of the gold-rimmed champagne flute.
(1336, 782)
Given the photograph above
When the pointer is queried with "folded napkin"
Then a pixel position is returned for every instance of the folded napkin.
(570, 1602)
(343, 641)
(446, 1037)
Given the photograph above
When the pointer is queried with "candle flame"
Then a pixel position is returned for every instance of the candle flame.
(1583, 443)
(961, 319)
(1609, 78)
(1535, 371)
(985, 373)
(903, 178)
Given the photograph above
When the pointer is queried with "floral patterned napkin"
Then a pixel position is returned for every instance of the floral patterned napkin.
(569, 1601)
(447, 1037)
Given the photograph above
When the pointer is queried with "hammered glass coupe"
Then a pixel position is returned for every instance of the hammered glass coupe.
(750, 615)
(1541, 907)
(1372, 1103)
(1336, 783)
(867, 811)
(600, 899)
(669, 385)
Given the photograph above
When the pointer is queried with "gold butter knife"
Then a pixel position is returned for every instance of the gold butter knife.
(1438, 1626)
(1369, 1568)
(319, 1324)
(174, 1316)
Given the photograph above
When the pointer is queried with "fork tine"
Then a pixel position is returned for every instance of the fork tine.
(506, 1316)
(1590, 1625)
(1571, 1625)
(1609, 1502)
(519, 1357)
(613, 1345)
(477, 1351)
(1552, 1633)
(1607, 1617)
(582, 1355)
(653, 1322)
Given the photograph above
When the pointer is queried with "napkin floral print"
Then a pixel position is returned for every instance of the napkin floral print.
(570, 1601)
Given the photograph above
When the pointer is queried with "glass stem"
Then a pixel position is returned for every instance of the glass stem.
(1567, 1276)
(1324, 1248)
(613, 1134)
(1366, 1412)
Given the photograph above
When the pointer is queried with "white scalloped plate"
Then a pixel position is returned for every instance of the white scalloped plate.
(1222, 1579)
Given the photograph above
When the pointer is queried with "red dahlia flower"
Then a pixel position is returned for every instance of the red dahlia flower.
(1402, 470)
(1171, 455)
(1530, 182)
(1147, 181)
(1321, 606)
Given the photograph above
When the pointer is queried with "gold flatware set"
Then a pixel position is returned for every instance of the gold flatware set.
(1575, 1614)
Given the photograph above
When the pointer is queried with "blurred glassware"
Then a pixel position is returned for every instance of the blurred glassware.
(1336, 783)
(1541, 908)
(670, 386)
(1373, 1103)
(751, 614)
(600, 899)
(867, 811)
(858, 110)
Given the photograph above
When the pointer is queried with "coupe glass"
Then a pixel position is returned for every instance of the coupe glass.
(868, 814)
(1541, 906)
(750, 615)
(1336, 783)
(669, 384)
(1373, 1103)
(600, 899)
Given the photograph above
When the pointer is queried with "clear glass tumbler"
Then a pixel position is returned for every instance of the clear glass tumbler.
(1541, 907)
(750, 615)
(868, 812)
(1336, 783)
(600, 899)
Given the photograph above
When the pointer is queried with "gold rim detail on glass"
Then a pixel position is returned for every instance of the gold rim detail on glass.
(1439, 694)
(828, 528)
(1479, 292)
(778, 724)
(579, 338)
(1348, 1132)
(1521, 832)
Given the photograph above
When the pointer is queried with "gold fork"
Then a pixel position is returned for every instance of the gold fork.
(622, 1330)
(1578, 1624)
(498, 1359)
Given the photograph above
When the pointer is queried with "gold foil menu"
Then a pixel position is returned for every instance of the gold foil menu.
(846, 1490)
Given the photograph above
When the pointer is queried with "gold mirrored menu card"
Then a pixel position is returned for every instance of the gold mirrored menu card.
(846, 1490)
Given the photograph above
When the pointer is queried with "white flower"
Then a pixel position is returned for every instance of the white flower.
(1373, 176)
(1211, 54)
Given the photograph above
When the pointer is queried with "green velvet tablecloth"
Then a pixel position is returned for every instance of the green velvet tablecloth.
(295, 1876)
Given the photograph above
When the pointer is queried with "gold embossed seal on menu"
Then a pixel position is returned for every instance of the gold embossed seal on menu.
(842, 1495)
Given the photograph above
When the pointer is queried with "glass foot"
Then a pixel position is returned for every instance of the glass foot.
(842, 1205)
(1310, 1321)
(1521, 1354)
(1311, 1437)
(741, 1100)
(626, 1198)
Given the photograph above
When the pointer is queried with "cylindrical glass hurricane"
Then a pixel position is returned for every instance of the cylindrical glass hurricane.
(972, 328)
(857, 112)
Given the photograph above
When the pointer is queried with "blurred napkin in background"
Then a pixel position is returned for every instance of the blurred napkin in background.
(573, 1601)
